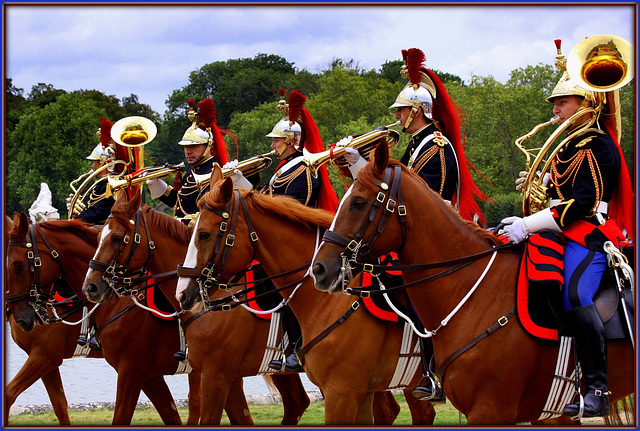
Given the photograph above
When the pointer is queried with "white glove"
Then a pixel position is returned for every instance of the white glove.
(516, 229)
(231, 164)
(523, 177)
(68, 201)
(157, 187)
(351, 154)
(239, 181)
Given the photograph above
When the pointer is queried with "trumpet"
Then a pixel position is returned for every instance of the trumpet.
(249, 167)
(115, 182)
(364, 144)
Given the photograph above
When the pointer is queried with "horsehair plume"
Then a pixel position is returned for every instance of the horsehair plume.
(404, 56)
(296, 104)
(207, 113)
(415, 60)
(105, 132)
(190, 103)
(445, 112)
(282, 91)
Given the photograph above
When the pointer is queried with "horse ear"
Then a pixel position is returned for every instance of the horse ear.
(23, 225)
(216, 175)
(226, 190)
(381, 157)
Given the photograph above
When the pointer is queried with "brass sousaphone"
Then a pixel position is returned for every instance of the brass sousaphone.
(130, 132)
(600, 64)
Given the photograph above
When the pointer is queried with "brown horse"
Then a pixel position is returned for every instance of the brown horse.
(503, 379)
(43, 347)
(222, 348)
(355, 360)
(140, 361)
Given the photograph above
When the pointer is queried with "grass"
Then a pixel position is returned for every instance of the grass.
(263, 415)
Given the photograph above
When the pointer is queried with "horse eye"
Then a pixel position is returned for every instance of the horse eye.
(204, 235)
(117, 239)
(18, 266)
(358, 203)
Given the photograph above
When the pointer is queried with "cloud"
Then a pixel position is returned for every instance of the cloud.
(150, 50)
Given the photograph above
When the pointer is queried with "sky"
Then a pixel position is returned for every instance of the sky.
(150, 50)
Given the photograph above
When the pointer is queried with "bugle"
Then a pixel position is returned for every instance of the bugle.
(116, 182)
(248, 167)
(364, 144)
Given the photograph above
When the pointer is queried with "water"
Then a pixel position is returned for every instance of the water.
(94, 380)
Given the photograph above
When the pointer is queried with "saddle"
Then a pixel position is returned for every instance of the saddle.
(538, 292)
(377, 306)
(260, 303)
(156, 300)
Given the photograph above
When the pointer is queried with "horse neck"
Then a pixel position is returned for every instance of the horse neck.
(75, 254)
(285, 245)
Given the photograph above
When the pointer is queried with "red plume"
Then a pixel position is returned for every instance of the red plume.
(404, 55)
(105, 132)
(415, 59)
(207, 114)
(445, 113)
(296, 104)
(281, 91)
(190, 103)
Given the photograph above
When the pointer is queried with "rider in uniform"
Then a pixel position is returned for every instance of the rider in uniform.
(98, 207)
(295, 131)
(435, 153)
(203, 145)
(591, 201)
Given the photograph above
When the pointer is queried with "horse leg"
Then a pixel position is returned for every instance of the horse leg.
(294, 397)
(365, 410)
(53, 384)
(194, 398)
(32, 370)
(422, 411)
(341, 409)
(385, 408)
(236, 406)
(214, 390)
(160, 396)
(128, 390)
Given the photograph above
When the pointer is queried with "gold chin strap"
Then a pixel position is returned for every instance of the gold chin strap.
(412, 114)
(282, 148)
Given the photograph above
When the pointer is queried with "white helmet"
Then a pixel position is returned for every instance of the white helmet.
(195, 135)
(289, 130)
(419, 98)
(103, 154)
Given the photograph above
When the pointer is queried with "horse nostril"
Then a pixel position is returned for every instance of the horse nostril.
(318, 269)
(92, 289)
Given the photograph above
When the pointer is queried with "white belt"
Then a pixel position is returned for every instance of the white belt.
(603, 207)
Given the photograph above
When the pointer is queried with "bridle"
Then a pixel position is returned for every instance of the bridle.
(38, 299)
(389, 192)
(117, 276)
(211, 274)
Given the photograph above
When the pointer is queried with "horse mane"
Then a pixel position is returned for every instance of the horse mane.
(280, 205)
(81, 229)
(167, 225)
(368, 179)
(163, 222)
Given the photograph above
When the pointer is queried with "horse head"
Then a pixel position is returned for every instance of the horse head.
(214, 254)
(27, 271)
(357, 218)
(118, 242)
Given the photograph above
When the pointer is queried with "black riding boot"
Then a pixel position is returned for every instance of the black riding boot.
(291, 362)
(429, 388)
(588, 332)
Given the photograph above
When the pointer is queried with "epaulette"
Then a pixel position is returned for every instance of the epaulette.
(592, 132)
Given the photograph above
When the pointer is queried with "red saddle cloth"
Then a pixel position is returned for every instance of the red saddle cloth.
(156, 300)
(540, 276)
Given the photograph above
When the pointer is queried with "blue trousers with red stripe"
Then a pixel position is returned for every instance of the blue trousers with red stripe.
(583, 270)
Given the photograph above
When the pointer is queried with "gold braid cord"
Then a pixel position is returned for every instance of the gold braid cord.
(288, 179)
(188, 188)
(571, 171)
(426, 157)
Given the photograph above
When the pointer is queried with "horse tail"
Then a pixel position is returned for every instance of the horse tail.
(621, 412)
(272, 387)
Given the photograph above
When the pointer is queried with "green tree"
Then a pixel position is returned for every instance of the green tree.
(51, 143)
(42, 94)
(16, 104)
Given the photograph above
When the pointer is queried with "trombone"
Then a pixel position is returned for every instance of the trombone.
(116, 182)
(364, 144)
